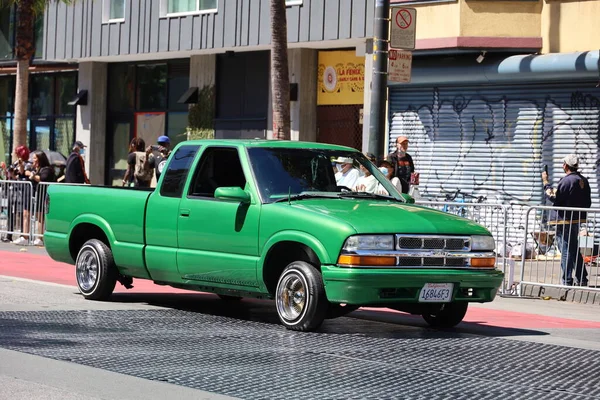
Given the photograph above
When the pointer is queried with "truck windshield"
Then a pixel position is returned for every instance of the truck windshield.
(284, 172)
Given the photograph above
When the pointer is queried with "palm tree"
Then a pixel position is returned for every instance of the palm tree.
(26, 11)
(280, 79)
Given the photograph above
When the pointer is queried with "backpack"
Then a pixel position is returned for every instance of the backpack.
(140, 173)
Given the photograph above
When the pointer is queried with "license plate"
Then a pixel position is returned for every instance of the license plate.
(436, 293)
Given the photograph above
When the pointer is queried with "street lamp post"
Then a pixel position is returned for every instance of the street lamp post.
(381, 30)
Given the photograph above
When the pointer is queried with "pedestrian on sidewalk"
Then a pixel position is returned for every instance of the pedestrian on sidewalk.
(573, 190)
(75, 170)
(403, 163)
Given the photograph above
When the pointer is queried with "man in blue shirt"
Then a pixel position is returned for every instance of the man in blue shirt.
(573, 190)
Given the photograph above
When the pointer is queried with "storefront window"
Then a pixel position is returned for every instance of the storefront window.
(7, 92)
(66, 89)
(177, 87)
(121, 78)
(120, 150)
(151, 87)
(177, 123)
(64, 135)
(5, 129)
(41, 95)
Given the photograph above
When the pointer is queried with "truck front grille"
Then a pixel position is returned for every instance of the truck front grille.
(455, 243)
(432, 262)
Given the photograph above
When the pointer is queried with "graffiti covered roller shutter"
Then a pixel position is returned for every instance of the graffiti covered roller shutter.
(495, 140)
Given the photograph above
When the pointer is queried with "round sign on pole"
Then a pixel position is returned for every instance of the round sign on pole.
(403, 19)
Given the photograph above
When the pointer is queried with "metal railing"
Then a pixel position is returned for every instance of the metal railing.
(560, 248)
(16, 202)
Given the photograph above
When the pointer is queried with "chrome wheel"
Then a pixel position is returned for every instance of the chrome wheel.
(87, 269)
(292, 296)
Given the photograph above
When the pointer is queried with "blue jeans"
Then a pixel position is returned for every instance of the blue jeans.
(570, 257)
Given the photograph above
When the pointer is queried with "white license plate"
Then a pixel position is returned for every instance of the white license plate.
(436, 293)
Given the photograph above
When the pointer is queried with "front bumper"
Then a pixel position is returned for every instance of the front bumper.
(373, 286)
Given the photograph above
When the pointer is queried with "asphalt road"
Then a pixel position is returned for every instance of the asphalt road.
(155, 342)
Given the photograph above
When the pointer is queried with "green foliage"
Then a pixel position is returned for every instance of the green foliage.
(201, 115)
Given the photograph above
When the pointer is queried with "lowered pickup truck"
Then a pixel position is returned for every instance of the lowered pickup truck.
(266, 219)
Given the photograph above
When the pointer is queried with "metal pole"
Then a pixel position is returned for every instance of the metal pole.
(381, 32)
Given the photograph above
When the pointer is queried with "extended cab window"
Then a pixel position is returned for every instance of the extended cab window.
(177, 171)
(218, 167)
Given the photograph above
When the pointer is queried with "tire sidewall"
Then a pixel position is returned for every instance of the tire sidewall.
(99, 276)
(296, 269)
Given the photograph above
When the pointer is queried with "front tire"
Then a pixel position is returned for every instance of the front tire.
(448, 316)
(300, 297)
(95, 270)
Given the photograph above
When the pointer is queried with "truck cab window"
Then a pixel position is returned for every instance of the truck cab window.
(177, 171)
(218, 167)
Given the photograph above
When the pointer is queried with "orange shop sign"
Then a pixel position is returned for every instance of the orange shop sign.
(341, 78)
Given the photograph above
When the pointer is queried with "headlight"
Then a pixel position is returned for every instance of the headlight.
(479, 243)
(369, 242)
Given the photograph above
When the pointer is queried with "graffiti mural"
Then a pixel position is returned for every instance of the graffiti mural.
(495, 141)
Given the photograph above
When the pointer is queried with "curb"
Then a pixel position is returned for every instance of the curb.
(581, 296)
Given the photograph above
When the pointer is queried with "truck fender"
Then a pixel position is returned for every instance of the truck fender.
(295, 236)
(93, 220)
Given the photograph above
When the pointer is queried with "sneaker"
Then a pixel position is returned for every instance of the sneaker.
(38, 242)
(20, 241)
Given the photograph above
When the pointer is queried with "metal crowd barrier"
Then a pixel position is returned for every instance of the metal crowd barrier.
(16, 203)
(494, 217)
(560, 248)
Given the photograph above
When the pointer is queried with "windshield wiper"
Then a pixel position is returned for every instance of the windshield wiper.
(366, 195)
(303, 196)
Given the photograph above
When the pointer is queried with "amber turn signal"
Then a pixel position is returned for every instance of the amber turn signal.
(489, 262)
(347, 259)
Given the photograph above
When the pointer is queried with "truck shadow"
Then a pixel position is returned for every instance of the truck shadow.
(381, 322)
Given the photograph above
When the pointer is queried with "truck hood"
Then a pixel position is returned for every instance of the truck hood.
(377, 216)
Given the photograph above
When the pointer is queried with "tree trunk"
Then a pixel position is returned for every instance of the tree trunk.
(280, 78)
(24, 51)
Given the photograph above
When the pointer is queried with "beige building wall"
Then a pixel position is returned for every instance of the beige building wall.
(569, 26)
(500, 18)
(437, 20)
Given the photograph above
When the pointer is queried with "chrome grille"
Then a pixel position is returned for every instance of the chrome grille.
(455, 243)
(432, 262)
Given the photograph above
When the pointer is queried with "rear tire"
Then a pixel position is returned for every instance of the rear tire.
(449, 315)
(95, 270)
(300, 297)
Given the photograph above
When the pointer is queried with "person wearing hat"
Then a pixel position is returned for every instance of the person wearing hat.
(157, 156)
(402, 162)
(75, 169)
(347, 175)
(573, 190)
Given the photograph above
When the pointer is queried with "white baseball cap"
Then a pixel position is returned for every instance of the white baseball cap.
(571, 160)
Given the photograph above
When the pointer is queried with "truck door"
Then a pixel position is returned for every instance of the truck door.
(162, 215)
(218, 238)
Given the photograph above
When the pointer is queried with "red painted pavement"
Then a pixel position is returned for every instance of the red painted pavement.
(43, 268)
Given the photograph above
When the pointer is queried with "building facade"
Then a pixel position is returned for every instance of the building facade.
(191, 69)
(498, 89)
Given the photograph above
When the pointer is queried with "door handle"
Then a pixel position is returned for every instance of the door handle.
(184, 212)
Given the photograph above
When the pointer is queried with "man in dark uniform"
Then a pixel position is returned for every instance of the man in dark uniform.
(402, 162)
(75, 169)
(573, 190)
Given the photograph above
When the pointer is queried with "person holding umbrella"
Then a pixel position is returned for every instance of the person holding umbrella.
(75, 170)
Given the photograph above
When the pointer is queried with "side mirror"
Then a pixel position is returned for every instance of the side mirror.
(408, 198)
(232, 193)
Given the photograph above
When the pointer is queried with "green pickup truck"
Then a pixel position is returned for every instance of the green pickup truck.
(270, 219)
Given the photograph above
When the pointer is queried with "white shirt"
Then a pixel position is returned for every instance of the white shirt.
(347, 179)
(370, 183)
(395, 181)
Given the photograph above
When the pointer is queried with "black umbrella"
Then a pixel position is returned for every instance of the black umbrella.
(54, 157)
